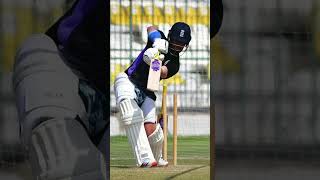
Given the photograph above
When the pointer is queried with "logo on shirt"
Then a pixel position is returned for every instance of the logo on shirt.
(155, 66)
(182, 33)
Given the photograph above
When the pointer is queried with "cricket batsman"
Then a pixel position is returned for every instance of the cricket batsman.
(60, 83)
(137, 104)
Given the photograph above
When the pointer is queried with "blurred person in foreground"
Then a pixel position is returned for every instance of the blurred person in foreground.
(60, 82)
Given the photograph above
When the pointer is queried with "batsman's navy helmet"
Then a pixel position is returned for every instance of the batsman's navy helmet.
(180, 32)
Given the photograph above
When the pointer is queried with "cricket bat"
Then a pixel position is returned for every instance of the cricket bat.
(163, 104)
(154, 74)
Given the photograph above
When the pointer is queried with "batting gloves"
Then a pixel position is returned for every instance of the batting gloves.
(161, 44)
(152, 53)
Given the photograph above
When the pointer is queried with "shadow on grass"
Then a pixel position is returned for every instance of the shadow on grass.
(124, 167)
(184, 172)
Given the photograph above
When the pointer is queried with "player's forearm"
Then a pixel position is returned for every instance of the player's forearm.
(151, 28)
(164, 72)
(153, 33)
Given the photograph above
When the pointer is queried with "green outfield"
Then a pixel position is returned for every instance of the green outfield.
(193, 160)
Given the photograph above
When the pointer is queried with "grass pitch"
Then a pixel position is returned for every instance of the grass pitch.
(193, 160)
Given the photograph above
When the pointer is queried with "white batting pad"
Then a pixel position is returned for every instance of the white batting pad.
(123, 88)
(132, 117)
(61, 149)
(156, 142)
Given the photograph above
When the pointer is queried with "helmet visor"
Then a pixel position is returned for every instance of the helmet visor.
(176, 46)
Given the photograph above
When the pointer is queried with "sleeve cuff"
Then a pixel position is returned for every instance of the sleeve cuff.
(154, 35)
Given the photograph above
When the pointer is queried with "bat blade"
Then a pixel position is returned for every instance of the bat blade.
(154, 75)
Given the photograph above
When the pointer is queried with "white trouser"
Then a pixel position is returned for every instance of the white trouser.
(125, 89)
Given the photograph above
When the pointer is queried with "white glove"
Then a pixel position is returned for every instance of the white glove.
(152, 53)
(161, 44)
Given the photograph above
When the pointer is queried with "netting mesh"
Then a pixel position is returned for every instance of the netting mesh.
(266, 78)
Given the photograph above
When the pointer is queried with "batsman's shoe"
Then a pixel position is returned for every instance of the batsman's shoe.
(162, 162)
(149, 164)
